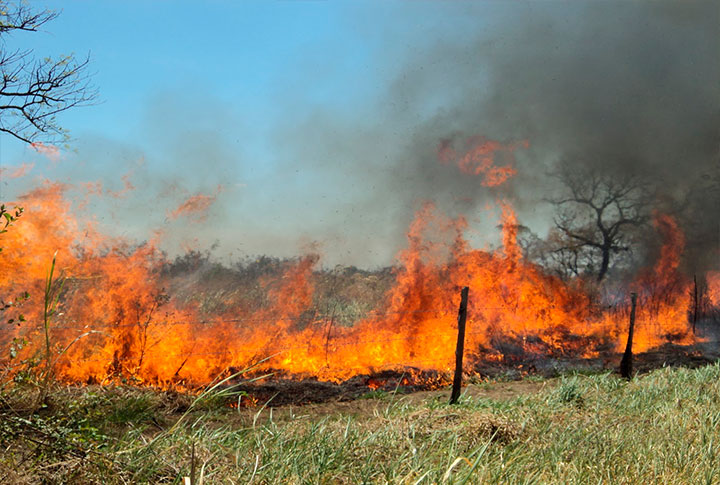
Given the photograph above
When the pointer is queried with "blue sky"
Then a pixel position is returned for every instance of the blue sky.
(258, 58)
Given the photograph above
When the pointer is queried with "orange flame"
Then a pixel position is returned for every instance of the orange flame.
(16, 172)
(116, 321)
(127, 187)
(479, 158)
(663, 293)
(713, 287)
(195, 207)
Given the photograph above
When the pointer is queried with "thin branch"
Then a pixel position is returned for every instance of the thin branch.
(597, 210)
(20, 17)
(33, 91)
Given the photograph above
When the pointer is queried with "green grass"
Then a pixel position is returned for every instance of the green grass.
(663, 427)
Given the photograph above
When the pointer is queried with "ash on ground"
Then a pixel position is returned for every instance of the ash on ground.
(280, 390)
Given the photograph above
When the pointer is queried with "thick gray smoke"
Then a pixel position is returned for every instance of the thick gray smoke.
(622, 85)
(626, 87)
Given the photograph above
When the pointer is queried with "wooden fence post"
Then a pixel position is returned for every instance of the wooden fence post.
(462, 317)
(626, 362)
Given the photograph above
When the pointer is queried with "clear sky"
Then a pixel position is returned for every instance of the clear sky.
(319, 120)
(258, 59)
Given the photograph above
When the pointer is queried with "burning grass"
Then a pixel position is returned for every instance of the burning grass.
(574, 429)
(126, 315)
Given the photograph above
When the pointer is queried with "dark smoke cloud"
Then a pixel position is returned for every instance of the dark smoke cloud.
(619, 86)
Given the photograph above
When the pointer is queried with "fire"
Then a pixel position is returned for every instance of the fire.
(127, 187)
(479, 158)
(16, 172)
(116, 321)
(713, 287)
(663, 293)
(195, 206)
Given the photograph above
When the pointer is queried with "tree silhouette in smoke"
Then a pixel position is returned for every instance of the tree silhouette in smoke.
(596, 215)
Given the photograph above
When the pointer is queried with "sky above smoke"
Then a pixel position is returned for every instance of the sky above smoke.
(316, 125)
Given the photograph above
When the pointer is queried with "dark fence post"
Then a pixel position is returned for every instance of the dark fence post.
(626, 362)
(462, 317)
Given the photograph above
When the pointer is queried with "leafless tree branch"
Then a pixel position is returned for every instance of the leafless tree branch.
(598, 211)
(33, 91)
(19, 16)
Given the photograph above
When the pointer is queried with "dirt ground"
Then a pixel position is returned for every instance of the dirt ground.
(355, 396)
(376, 403)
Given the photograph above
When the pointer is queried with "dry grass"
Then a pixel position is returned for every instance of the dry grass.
(663, 427)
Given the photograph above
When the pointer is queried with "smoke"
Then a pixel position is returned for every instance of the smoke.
(169, 181)
(50, 151)
(16, 172)
(621, 87)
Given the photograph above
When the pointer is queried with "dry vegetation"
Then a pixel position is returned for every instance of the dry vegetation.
(347, 293)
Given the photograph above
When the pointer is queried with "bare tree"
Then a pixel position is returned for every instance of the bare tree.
(596, 215)
(33, 91)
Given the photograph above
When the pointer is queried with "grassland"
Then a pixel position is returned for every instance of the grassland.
(662, 427)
